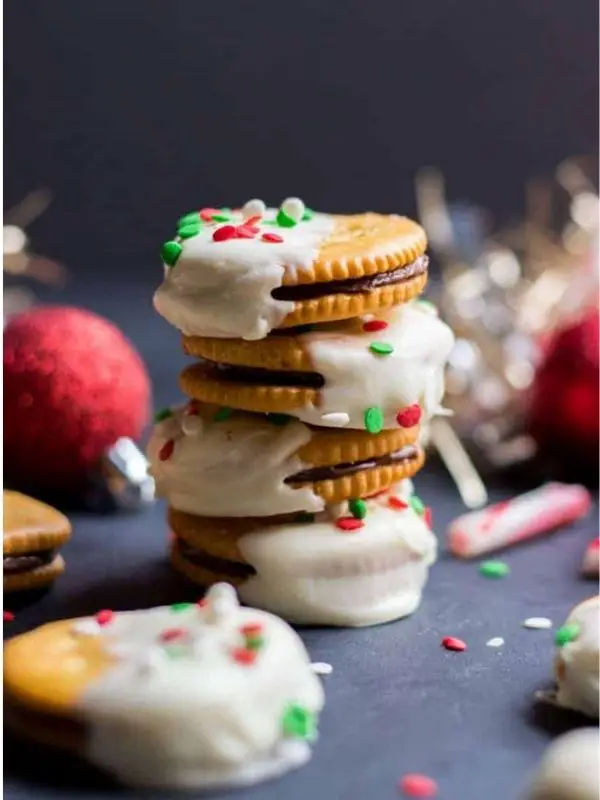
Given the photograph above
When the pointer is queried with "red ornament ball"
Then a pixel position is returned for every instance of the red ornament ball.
(565, 399)
(73, 384)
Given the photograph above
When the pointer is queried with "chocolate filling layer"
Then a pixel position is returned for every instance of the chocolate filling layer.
(308, 291)
(213, 563)
(340, 470)
(25, 562)
(268, 377)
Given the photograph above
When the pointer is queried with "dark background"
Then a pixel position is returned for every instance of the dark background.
(133, 111)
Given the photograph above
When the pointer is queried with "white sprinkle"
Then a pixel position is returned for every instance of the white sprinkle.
(253, 208)
(497, 641)
(86, 627)
(537, 623)
(293, 207)
(336, 418)
(321, 668)
(222, 600)
(191, 425)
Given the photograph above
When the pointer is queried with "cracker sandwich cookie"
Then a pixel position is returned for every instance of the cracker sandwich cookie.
(33, 533)
(216, 462)
(195, 695)
(358, 563)
(337, 374)
(577, 662)
(241, 274)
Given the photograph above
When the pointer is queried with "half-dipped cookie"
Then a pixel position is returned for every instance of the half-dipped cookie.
(241, 274)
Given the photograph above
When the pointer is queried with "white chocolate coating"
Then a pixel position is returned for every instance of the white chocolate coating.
(232, 468)
(357, 379)
(186, 714)
(578, 661)
(223, 289)
(570, 768)
(315, 573)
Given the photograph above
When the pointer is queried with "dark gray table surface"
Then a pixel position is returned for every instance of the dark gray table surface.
(396, 701)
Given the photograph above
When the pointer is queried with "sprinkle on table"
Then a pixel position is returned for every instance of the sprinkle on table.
(177, 608)
(170, 252)
(321, 668)
(223, 414)
(166, 451)
(496, 641)
(298, 722)
(567, 633)
(397, 504)
(244, 656)
(494, 569)
(349, 523)
(105, 617)
(417, 504)
(452, 643)
(373, 325)
(274, 238)
(8, 616)
(373, 418)
(163, 414)
(381, 348)
(416, 785)
(224, 233)
(409, 417)
(537, 623)
(357, 507)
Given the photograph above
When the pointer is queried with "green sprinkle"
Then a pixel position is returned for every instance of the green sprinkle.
(417, 504)
(358, 508)
(226, 210)
(254, 642)
(188, 219)
(494, 569)
(223, 414)
(189, 230)
(373, 418)
(177, 607)
(163, 414)
(221, 217)
(566, 634)
(284, 220)
(308, 215)
(279, 419)
(175, 650)
(298, 722)
(304, 516)
(381, 348)
(170, 252)
(427, 304)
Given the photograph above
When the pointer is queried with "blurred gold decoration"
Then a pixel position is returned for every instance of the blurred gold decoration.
(500, 293)
(19, 260)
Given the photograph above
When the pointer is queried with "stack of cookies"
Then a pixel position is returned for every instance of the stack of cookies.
(316, 371)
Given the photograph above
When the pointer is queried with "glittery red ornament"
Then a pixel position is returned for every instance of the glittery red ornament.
(565, 399)
(73, 385)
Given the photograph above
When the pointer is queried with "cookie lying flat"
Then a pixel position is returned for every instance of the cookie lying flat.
(212, 461)
(229, 278)
(333, 373)
(188, 696)
(570, 768)
(330, 568)
(32, 534)
(578, 660)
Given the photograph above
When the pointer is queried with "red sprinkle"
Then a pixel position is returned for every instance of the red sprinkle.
(452, 643)
(207, 214)
(428, 517)
(166, 451)
(224, 233)
(349, 523)
(245, 656)
(203, 602)
(105, 617)
(271, 237)
(252, 629)
(415, 785)
(409, 416)
(253, 220)
(396, 503)
(246, 231)
(171, 634)
(374, 325)
(8, 616)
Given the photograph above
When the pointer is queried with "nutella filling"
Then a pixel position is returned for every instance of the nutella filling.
(408, 453)
(201, 558)
(309, 291)
(25, 562)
